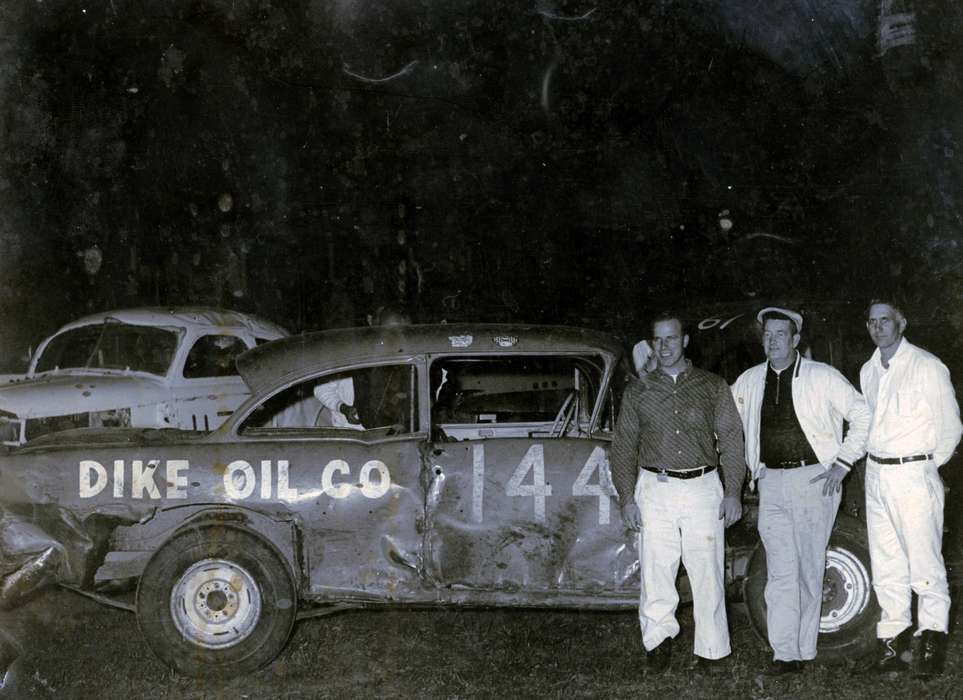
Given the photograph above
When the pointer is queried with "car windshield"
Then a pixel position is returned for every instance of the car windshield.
(111, 345)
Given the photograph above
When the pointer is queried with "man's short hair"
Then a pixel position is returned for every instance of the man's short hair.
(668, 315)
(891, 301)
(779, 316)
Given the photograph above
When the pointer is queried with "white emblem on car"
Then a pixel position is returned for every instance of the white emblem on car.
(460, 341)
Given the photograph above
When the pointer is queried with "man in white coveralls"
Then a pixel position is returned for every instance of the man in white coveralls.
(914, 430)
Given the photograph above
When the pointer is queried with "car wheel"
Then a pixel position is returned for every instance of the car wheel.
(216, 600)
(847, 626)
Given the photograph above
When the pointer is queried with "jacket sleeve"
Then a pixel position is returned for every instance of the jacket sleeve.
(625, 445)
(946, 412)
(851, 405)
(732, 446)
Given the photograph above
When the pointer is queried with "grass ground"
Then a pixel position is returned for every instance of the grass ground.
(74, 648)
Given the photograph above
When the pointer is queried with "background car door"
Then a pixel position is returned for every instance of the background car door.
(209, 389)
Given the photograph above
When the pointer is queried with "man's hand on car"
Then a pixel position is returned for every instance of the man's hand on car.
(632, 516)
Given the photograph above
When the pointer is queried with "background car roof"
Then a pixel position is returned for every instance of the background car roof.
(204, 317)
(296, 356)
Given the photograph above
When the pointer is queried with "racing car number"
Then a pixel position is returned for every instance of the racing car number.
(535, 487)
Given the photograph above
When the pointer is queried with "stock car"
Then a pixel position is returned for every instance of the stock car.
(471, 470)
(142, 367)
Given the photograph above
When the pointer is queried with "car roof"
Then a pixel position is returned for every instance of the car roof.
(302, 355)
(199, 317)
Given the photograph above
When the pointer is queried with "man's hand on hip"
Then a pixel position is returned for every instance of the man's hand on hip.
(632, 516)
(730, 510)
(834, 479)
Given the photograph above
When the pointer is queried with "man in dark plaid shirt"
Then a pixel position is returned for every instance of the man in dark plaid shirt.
(678, 432)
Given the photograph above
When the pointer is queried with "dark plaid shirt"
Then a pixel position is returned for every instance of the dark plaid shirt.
(678, 425)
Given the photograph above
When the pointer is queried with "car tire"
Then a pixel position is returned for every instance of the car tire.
(847, 628)
(216, 600)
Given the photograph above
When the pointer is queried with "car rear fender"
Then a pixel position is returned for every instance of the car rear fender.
(131, 547)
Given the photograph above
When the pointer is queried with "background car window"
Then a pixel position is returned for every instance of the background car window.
(374, 400)
(213, 356)
(538, 392)
(111, 345)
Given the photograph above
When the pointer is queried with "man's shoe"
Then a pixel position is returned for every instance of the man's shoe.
(887, 657)
(928, 661)
(657, 660)
(781, 668)
(708, 667)
(889, 653)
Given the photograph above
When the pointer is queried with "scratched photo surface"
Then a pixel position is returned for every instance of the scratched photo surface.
(316, 317)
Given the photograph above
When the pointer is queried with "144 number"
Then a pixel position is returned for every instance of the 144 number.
(534, 486)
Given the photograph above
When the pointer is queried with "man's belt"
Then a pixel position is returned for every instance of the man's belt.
(684, 474)
(900, 460)
(791, 464)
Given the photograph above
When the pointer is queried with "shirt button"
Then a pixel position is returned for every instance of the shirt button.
(676, 432)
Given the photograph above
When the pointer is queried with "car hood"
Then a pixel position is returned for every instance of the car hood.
(66, 394)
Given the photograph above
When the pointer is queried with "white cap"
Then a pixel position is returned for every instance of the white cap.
(794, 315)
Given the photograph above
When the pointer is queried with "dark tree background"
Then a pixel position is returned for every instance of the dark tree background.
(573, 162)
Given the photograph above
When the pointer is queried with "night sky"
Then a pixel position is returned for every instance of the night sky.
(563, 162)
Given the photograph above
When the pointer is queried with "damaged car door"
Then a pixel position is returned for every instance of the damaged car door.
(350, 442)
(520, 501)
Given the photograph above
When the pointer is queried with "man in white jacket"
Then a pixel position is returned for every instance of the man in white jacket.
(792, 411)
(915, 428)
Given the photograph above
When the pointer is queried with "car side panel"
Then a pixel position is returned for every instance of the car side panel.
(359, 505)
(538, 515)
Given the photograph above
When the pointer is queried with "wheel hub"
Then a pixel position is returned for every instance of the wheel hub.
(215, 604)
(846, 589)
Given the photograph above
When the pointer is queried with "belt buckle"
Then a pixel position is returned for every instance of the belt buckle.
(662, 476)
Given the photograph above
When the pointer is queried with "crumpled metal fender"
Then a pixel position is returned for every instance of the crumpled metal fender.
(30, 559)
(47, 545)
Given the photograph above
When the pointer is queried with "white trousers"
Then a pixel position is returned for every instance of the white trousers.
(795, 522)
(904, 516)
(680, 520)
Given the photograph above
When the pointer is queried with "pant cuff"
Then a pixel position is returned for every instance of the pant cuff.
(890, 630)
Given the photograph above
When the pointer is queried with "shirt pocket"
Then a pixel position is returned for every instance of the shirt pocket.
(910, 403)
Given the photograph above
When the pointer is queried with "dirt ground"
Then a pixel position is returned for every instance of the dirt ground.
(72, 647)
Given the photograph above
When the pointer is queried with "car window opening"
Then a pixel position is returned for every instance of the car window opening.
(513, 396)
(378, 401)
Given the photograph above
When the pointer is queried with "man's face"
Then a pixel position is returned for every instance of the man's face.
(779, 341)
(885, 325)
(668, 344)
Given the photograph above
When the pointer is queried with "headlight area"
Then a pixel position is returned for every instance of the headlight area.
(11, 429)
(111, 418)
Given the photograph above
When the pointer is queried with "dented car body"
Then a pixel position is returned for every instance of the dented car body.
(459, 465)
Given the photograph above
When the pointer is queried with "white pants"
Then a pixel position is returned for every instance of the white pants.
(795, 521)
(904, 515)
(680, 520)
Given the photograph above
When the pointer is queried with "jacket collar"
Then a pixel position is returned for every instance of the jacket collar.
(902, 352)
(795, 368)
